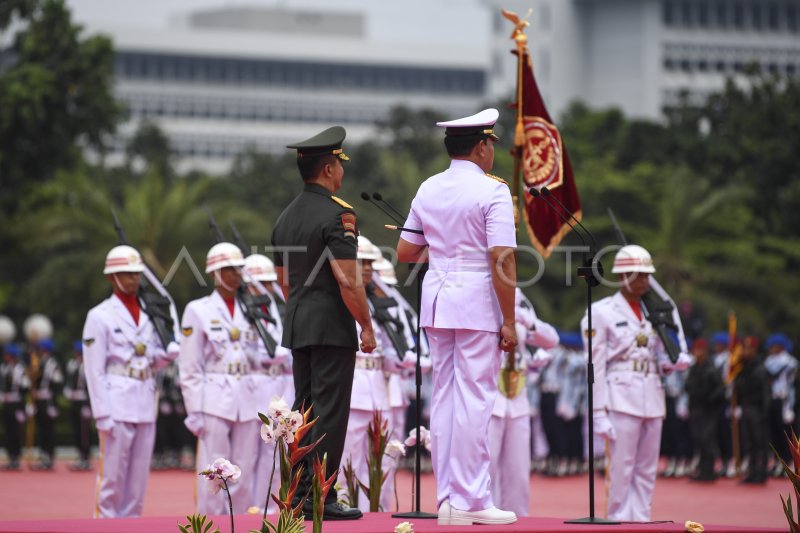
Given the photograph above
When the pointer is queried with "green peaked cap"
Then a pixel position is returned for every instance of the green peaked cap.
(326, 142)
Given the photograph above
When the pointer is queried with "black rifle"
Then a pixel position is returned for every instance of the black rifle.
(155, 303)
(657, 310)
(250, 304)
(393, 326)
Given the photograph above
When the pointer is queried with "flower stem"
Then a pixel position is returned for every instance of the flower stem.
(269, 487)
(230, 502)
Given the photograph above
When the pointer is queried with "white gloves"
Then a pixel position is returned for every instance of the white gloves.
(540, 359)
(195, 423)
(788, 416)
(173, 350)
(105, 424)
(410, 361)
(602, 425)
(684, 361)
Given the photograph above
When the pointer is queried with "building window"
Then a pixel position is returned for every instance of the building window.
(669, 64)
(722, 14)
(686, 13)
(702, 14)
(773, 16)
(738, 16)
(791, 17)
(668, 12)
(755, 16)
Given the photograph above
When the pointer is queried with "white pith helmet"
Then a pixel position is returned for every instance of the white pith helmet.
(260, 268)
(123, 258)
(385, 270)
(223, 254)
(633, 258)
(37, 327)
(366, 250)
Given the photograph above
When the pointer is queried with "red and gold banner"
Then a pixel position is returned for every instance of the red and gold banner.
(545, 163)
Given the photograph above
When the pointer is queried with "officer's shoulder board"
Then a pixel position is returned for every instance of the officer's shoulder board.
(341, 202)
(497, 178)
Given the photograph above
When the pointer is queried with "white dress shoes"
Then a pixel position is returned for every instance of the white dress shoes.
(444, 513)
(450, 516)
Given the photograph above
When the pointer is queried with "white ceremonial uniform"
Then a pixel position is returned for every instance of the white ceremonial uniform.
(627, 355)
(221, 396)
(369, 394)
(272, 378)
(462, 213)
(122, 393)
(509, 427)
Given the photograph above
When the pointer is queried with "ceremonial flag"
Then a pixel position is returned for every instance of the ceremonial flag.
(734, 350)
(543, 157)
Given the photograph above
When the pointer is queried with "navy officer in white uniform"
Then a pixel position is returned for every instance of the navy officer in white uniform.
(219, 352)
(629, 405)
(467, 309)
(120, 351)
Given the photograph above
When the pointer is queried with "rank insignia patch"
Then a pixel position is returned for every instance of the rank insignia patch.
(349, 224)
(187, 331)
(88, 342)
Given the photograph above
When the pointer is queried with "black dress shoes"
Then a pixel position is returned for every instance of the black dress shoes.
(333, 511)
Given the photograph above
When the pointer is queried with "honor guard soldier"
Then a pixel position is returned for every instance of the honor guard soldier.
(121, 350)
(721, 359)
(706, 392)
(629, 406)
(46, 385)
(370, 394)
(14, 384)
(510, 427)
(753, 395)
(467, 223)
(80, 413)
(782, 369)
(218, 352)
(315, 258)
(272, 375)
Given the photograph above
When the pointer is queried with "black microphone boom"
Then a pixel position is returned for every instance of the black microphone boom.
(378, 197)
(368, 198)
(549, 194)
(537, 194)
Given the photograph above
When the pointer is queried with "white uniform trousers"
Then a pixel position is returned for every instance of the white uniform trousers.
(633, 466)
(465, 369)
(356, 449)
(125, 455)
(237, 442)
(509, 445)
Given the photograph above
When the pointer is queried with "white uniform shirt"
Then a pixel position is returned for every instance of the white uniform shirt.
(109, 344)
(626, 355)
(215, 367)
(462, 212)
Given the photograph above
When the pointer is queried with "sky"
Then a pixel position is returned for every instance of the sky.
(434, 21)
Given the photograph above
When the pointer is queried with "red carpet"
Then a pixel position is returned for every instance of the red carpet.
(371, 523)
(61, 501)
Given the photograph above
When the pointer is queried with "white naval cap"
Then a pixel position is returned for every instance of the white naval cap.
(478, 124)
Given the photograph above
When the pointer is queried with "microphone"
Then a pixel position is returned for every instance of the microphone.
(587, 270)
(536, 194)
(366, 196)
(549, 194)
(378, 197)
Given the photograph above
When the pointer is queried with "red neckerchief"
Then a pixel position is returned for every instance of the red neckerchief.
(230, 302)
(131, 303)
(636, 307)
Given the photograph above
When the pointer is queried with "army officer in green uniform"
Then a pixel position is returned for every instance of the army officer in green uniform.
(315, 260)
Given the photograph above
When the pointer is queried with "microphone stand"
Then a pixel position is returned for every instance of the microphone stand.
(590, 271)
(418, 269)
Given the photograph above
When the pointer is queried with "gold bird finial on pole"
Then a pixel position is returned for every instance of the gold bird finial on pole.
(519, 23)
